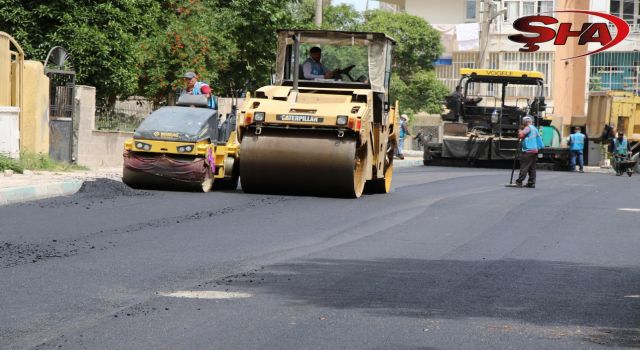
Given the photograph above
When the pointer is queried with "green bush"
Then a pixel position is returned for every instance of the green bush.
(10, 164)
(36, 161)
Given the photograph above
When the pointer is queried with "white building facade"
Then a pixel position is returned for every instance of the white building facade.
(568, 81)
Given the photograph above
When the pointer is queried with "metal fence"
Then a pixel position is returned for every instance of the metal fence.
(124, 116)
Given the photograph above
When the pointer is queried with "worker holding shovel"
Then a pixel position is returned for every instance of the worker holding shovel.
(531, 143)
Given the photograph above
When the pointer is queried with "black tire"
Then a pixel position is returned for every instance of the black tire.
(231, 183)
(131, 179)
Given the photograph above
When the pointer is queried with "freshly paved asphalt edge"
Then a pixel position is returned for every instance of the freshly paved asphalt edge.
(20, 194)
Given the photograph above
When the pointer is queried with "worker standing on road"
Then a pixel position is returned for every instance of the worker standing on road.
(195, 87)
(531, 143)
(404, 131)
(576, 144)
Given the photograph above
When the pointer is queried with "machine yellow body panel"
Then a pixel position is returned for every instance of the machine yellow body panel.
(501, 73)
(620, 108)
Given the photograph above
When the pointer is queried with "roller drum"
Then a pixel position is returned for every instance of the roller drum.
(296, 162)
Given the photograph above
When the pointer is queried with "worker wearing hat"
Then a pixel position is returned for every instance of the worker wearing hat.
(621, 149)
(195, 87)
(404, 131)
(531, 143)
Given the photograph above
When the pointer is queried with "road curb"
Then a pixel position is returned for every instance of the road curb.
(407, 163)
(13, 195)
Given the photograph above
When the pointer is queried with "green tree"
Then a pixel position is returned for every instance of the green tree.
(418, 44)
(421, 92)
(230, 44)
(334, 17)
(414, 83)
(190, 36)
(101, 35)
(253, 25)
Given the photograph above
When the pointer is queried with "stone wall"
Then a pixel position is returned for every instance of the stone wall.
(96, 149)
(102, 149)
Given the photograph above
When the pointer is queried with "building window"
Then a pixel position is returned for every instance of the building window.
(531, 61)
(513, 11)
(615, 71)
(528, 8)
(520, 8)
(629, 10)
(471, 10)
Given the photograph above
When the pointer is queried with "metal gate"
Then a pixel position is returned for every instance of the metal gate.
(62, 80)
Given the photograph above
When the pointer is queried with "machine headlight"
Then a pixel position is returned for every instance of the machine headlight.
(143, 146)
(187, 148)
(258, 116)
(342, 120)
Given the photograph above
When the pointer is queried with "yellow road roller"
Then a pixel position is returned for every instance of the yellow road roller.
(321, 129)
(186, 146)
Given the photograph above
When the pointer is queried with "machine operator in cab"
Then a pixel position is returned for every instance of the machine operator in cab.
(195, 87)
(312, 68)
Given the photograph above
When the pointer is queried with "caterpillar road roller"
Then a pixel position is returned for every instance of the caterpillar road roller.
(186, 146)
(481, 123)
(320, 129)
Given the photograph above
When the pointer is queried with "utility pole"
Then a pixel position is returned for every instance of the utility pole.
(318, 17)
(486, 14)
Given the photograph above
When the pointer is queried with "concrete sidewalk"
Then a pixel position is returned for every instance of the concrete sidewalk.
(408, 161)
(17, 188)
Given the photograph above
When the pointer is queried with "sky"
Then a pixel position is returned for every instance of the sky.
(358, 4)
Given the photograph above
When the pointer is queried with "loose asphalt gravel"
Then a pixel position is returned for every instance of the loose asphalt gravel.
(451, 259)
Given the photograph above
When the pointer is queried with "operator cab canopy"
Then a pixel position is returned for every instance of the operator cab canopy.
(369, 53)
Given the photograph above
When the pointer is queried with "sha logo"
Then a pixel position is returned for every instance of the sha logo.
(589, 33)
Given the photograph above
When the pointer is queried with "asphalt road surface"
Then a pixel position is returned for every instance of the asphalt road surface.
(451, 259)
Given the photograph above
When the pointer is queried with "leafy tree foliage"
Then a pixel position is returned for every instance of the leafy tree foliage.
(414, 83)
(126, 47)
(101, 35)
(420, 92)
(418, 45)
(190, 36)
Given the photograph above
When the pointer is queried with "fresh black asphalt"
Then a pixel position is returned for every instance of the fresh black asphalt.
(451, 259)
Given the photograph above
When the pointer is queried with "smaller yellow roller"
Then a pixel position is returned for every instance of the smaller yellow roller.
(183, 147)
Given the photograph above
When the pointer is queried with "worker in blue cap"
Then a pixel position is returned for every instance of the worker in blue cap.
(195, 87)
(531, 143)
